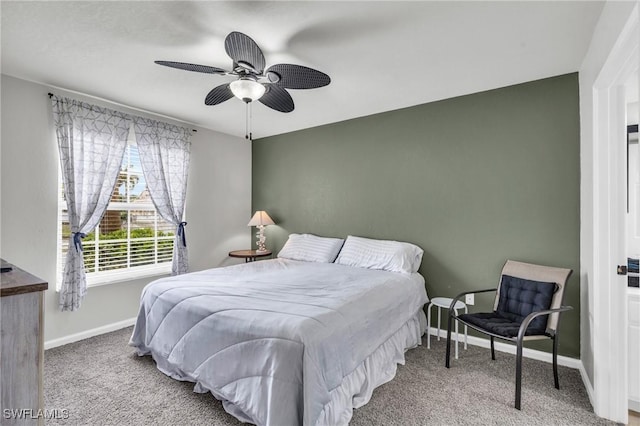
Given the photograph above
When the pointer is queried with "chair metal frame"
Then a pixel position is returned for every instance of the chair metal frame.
(519, 339)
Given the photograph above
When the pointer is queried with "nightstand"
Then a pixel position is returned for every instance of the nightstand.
(249, 255)
(445, 302)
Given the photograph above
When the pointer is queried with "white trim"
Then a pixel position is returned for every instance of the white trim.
(89, 333)
(97, 279)
(511, 349)
(587, 383)
(608, 290)
(472, 340)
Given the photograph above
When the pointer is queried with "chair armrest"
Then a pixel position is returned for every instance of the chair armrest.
(532, 315)
(458, 297)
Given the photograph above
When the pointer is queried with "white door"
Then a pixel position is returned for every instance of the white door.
(633, 169)
(610, 340)
(633, 240)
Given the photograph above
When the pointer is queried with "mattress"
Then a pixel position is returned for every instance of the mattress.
(282, 342)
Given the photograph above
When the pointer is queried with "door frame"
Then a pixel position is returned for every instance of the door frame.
(610, 321)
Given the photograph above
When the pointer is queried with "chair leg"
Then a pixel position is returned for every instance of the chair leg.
(446, 364)
(555, 362)
(493, 350)
(518, 374)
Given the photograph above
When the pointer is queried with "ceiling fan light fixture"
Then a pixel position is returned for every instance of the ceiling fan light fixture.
(247, 90)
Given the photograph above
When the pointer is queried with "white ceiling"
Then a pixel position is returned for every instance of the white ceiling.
(380, 56)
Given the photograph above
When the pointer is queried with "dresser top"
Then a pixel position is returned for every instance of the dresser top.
(18, 281)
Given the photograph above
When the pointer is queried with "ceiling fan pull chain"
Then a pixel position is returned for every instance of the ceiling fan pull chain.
(246, 121)
(250, 118)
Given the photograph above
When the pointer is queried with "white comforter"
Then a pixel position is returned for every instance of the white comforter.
(273, 339)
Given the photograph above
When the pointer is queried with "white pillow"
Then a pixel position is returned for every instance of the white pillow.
(387, 255)
(311, 248)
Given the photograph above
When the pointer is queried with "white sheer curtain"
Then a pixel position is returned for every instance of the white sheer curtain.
(91, 141)
(164, 155)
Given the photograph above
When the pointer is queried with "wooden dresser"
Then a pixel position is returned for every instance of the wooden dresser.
(21, 347)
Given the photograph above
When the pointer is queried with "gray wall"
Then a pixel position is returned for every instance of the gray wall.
(473, 180)
(218, 206)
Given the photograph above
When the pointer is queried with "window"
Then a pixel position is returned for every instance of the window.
(131, 240)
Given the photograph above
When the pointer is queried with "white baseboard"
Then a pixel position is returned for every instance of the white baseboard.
(587, 384)
(89, 333)
(472, 340)
(511, 349)
(634, 405)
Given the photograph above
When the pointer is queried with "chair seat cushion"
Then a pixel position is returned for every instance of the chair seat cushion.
(495, 323)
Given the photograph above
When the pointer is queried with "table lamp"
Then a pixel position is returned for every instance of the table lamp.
(260, 219)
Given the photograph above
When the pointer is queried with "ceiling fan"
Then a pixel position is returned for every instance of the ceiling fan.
(254, 82)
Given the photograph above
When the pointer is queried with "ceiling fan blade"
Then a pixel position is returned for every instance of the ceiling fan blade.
(297, 76)
(276, 97)
(241, 48)
(218, 95)
(192, 67)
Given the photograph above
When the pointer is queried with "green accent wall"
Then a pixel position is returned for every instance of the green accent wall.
(473, 180)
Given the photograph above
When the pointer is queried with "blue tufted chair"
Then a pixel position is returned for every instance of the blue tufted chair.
(527, 307)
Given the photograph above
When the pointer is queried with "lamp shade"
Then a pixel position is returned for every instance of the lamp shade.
(247, 90)
(260, 218)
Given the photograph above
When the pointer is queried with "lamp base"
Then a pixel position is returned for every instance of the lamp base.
(261, 240)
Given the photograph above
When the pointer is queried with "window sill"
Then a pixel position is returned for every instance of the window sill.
(105, 278)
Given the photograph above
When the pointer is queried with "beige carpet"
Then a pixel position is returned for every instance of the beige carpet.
(100, 381)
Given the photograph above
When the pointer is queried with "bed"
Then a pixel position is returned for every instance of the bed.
(283, 342)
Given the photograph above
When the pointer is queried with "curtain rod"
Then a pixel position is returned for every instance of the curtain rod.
(193, 130)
